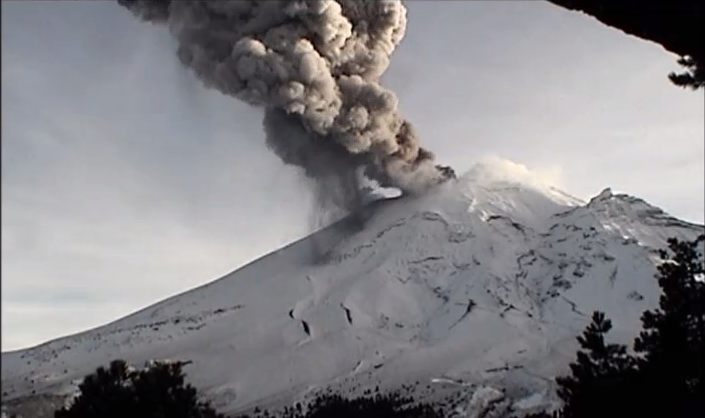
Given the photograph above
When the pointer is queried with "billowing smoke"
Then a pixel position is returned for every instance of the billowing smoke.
(314, 66)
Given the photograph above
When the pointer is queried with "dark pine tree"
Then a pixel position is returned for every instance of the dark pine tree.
(600, 376)
(672, 367)
(693, 77)
(391, 405)
(556, 414)
(117, 392)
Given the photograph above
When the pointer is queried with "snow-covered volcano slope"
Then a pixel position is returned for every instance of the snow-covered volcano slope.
(485, 279)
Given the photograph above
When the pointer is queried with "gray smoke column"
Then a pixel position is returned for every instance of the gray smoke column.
(314, 67)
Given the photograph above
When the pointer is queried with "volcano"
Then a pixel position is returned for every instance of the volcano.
(471, 294)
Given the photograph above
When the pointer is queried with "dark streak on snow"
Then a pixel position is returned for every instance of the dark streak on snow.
(468, 308)
(348, 314)
(573, 306)
(613, 276)
(431, 258)
(515, 225)
(504, 368)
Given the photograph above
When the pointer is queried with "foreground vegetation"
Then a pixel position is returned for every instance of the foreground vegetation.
(665, 376)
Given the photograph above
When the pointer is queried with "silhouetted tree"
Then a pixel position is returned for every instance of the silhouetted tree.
(673, 340)
(599, 375)
(668, 379)
(693, 78)
(677, 25)
(556, 414)
(117, 392)
(391, 405)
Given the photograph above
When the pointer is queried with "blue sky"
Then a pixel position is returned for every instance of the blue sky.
(124, 181)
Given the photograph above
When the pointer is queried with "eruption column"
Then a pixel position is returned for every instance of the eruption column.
(314, 67)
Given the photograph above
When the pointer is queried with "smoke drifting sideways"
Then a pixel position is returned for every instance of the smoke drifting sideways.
(314, 66)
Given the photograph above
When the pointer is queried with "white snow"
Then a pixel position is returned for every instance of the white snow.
(481, 401)
(484, 280)
(531, 401)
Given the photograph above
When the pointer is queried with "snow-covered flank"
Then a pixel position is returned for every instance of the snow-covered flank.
(485, 280)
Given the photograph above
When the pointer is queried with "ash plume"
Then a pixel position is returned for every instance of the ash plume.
(314, 67)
